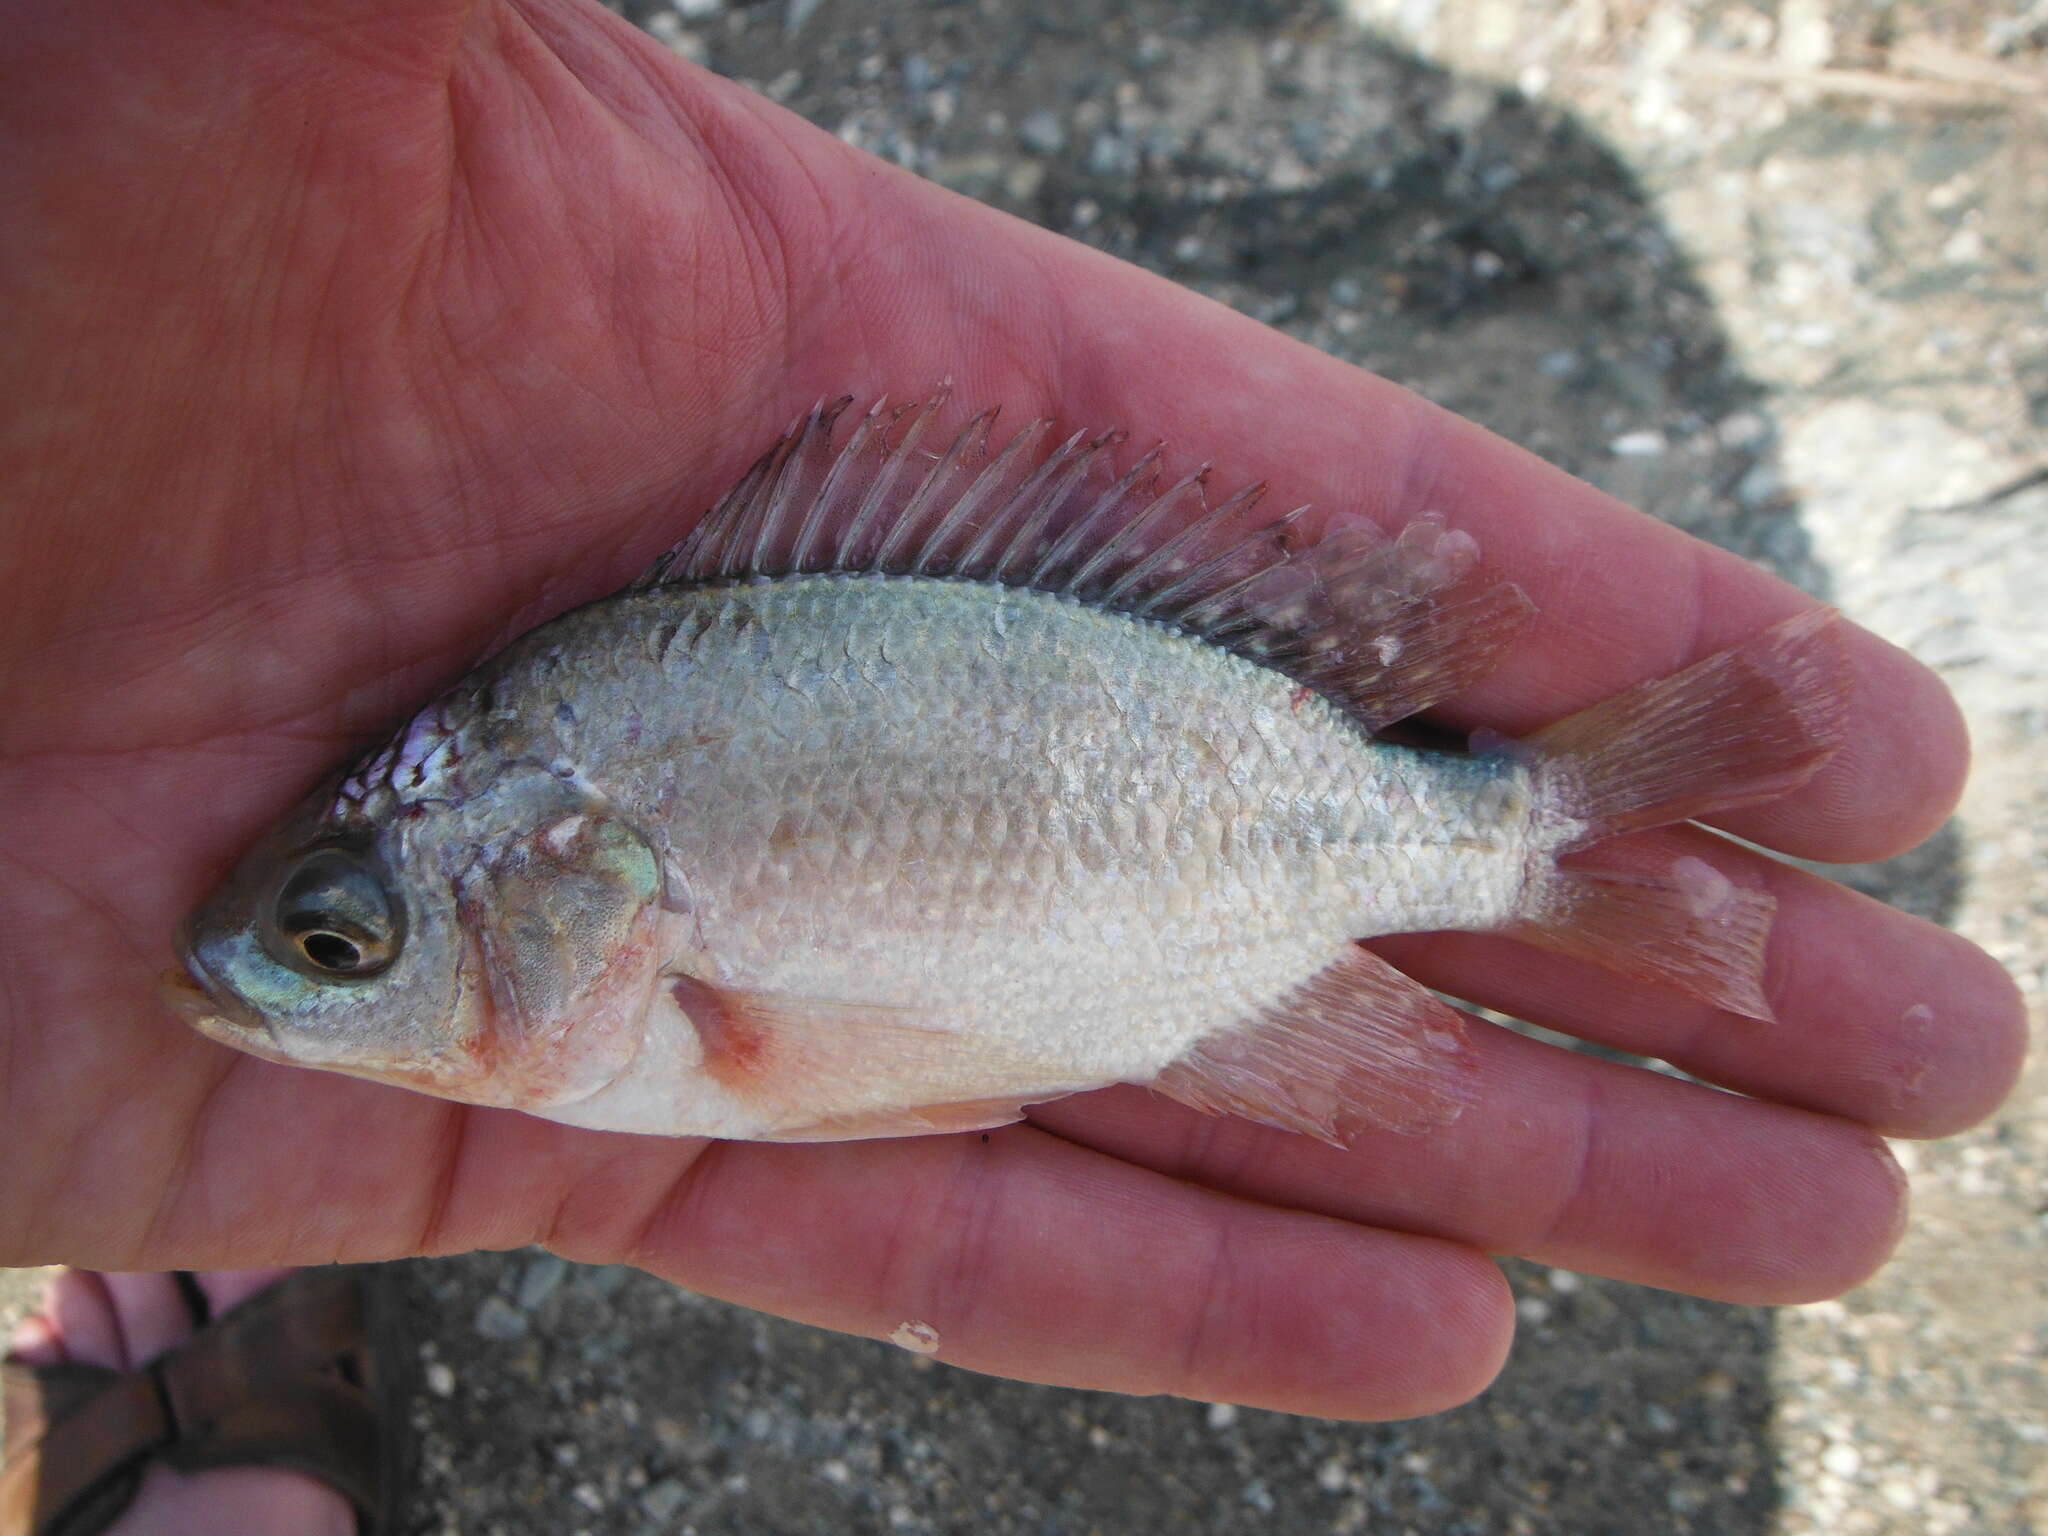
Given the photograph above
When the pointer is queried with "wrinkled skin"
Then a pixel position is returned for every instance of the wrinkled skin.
(344, 338)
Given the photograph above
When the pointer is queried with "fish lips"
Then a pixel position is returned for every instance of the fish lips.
(212, 1009)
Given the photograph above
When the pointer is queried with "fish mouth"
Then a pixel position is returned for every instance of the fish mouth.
(211, 1009)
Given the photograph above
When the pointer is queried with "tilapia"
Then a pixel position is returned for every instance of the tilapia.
(933, 776)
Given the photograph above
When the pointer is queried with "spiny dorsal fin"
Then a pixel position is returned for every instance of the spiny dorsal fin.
(1383, 627)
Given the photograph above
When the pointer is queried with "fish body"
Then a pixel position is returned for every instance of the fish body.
(815, 840)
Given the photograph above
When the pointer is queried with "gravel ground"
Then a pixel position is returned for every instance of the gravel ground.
(1772, 273)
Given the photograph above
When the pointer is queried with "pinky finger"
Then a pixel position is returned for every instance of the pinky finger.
(1025, 1256)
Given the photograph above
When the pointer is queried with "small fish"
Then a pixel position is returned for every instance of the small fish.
(928, 779)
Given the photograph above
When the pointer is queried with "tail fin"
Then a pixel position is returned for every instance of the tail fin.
(1743, 726)
(1693, 930)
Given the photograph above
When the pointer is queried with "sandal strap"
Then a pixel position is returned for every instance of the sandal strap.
(282, 1380)
(80, 1473)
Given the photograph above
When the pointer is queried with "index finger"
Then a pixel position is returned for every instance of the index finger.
(1045, 325)
(1620, 597)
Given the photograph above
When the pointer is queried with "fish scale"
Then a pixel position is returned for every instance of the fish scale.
(1007, 699)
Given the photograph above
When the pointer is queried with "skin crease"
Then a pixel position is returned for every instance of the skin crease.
(346, 339)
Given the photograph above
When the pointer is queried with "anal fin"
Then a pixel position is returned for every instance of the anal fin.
(1358, 1046)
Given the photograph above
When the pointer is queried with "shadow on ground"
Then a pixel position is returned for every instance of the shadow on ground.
(1488, 252)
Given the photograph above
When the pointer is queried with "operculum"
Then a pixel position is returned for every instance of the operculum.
(564, 924)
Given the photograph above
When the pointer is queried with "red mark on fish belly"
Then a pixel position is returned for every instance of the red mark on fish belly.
(736, 1048)
(1299, 697)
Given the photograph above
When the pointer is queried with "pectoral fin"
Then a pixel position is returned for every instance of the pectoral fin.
(926, 1120)
(820, 1069)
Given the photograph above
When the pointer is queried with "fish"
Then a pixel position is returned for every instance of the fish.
(936, 774)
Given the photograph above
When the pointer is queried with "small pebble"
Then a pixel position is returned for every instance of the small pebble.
(498, 1319)
(1042, 133)
(1222, 1415)
(440, 1380)
(918, 1338)
(542, 1276)
(663, 1499)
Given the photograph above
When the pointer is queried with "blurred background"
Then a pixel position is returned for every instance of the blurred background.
(1773, 271)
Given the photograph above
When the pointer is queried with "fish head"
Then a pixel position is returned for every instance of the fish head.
(495, 947)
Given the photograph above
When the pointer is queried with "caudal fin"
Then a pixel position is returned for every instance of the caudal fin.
(1743, 726)
(1692, 930)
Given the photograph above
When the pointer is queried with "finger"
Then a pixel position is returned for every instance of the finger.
(151, 1313)
(1022, 1256)
(820, 270)
(1585, 560)
(81, 1314)
(227, 1289)
(1571, 1161)
(1881, 1017)
(1090, 339)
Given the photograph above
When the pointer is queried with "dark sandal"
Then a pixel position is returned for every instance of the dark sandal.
(290, 1378)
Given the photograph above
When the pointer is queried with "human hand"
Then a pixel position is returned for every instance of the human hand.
(346, 339)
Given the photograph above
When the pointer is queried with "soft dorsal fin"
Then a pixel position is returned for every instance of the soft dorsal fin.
(1382, 627)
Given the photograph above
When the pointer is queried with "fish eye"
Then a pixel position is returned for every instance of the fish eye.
(334, 918)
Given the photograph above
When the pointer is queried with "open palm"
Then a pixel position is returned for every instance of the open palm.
(345, 340)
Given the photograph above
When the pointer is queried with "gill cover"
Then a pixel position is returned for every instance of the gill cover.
(562, 922)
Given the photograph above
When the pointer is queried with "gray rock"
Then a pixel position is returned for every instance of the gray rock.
(1042, 133)
(498, 1319)
(540, 1280)
(663, 1499)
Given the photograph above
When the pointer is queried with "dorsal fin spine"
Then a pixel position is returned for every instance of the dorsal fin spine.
(929, 561)
(1383, 627)
(1033, 492)
(1078, 582)
(1217, 515)
(893, 464)
(906, 522)
(817, 430)
(680, 563)
(753, 510)
(1075, 462)
(1084, 526)
(1166, 560)
(842, 466)
(1164, 603)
